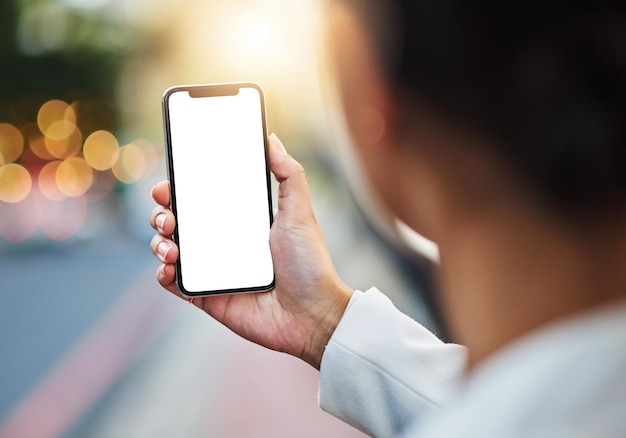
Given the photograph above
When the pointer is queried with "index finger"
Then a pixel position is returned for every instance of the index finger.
(161, 193)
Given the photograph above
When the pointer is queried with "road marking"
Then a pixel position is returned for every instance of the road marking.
(94, 363)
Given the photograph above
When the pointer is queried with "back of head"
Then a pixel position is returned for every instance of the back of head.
(547, 81)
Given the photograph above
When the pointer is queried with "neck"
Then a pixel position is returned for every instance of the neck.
(508, 265)
(508, 272)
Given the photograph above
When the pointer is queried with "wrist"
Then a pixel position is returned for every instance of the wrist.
(325, 325)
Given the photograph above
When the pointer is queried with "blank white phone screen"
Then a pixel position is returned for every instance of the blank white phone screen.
(221, 190)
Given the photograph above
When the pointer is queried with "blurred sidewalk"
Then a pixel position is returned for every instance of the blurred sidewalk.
(201, 380)
(93, 347)
(153, 366)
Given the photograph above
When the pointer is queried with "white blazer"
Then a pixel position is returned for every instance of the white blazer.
(389, 376)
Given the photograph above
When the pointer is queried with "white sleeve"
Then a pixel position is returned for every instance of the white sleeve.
(382, 371)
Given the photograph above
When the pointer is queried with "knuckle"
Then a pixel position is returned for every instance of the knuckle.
(298, 168)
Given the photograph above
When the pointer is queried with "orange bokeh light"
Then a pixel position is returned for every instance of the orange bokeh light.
(74, 177)
(36, 141)
(60, 129)
(101, 150)
(151, 155)
(63, 147)
(15, 183)
(11, 143)
(71, 113)
(47, 182)
(53, 111)
(131, 164)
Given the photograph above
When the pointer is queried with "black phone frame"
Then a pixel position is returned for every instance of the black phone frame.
(209, 90)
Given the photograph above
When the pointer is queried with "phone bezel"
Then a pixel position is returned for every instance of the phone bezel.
(208, 90)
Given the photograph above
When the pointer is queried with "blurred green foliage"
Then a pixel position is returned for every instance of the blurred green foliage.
(80, 65)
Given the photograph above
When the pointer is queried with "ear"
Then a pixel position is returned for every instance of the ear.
(365, 96)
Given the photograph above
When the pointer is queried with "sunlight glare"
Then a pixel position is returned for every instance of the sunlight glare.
(252, 39)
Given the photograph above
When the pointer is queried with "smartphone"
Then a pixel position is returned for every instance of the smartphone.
(217, 162)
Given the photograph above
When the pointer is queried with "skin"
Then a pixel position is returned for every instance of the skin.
(509, 264)
(300, 314)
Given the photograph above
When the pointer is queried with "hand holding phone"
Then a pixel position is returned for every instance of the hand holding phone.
(216, 151)
(300, 314)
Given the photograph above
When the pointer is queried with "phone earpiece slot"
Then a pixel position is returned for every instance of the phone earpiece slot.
(225, 90)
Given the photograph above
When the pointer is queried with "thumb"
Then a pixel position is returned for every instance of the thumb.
(293, 189)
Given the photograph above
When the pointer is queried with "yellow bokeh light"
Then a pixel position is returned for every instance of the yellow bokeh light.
(48, 182)
(15, 183)
(60, 129)
(150, 153)
(101, 150)
(71, 113)
(60, 147)
(36, 141)
(11, 143)
(74, 177)
(53, 111)
(131, 164)
(39, 148)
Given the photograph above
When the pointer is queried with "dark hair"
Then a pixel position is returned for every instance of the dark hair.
(549, 81)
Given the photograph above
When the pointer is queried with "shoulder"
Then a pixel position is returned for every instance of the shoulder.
(567, 380)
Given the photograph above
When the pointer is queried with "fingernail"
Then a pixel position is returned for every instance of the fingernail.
(160, 221)
(163, 248)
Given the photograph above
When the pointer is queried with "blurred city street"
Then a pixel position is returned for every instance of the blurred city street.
(90, 344)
